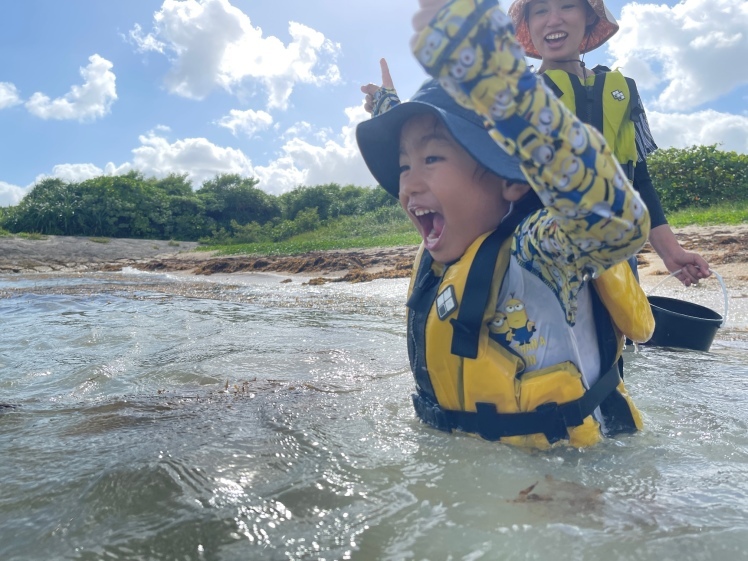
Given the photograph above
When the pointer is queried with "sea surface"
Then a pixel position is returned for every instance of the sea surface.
(152, 416)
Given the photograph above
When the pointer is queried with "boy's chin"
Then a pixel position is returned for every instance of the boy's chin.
(445, 255)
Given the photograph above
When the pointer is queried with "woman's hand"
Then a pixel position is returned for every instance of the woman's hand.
(692, 266)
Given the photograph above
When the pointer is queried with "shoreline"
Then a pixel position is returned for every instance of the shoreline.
(725, 247)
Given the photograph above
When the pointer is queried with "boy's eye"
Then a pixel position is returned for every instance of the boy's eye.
(404, 168)
(433, 159)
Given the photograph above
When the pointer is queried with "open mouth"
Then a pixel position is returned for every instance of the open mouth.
(431, 225)
(556, 37)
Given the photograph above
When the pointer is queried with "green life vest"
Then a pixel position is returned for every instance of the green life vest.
(603, 101)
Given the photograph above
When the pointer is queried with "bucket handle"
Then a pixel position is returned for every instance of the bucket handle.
(719, 278)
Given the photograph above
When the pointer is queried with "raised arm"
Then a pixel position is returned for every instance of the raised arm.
(469, 45)
(593, 217)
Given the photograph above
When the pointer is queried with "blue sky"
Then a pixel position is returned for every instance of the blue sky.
(271, 89)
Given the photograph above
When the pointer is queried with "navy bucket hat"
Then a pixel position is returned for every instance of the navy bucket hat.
(379, 137)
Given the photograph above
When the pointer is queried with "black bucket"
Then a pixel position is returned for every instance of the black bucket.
(683, 324)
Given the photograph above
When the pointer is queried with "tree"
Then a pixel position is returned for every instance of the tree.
(230, 197)
(698, 176)
(49, 208)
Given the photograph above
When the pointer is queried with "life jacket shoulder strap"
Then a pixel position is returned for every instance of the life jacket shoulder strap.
(557, 91)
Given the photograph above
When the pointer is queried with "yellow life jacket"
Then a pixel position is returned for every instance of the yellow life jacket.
(468, 381)
(604, 101)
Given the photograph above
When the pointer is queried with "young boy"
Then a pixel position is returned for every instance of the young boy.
(509, 337)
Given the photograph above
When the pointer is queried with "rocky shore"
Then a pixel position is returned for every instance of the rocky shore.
(725, 247)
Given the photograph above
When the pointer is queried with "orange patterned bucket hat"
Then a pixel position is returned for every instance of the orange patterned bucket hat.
(597, 33)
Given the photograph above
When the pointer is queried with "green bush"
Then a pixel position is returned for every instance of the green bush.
(699, 176)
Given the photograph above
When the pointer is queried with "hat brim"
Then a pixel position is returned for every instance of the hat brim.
(379, 142)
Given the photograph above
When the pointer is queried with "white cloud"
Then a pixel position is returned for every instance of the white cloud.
(8, 95)
(157, 157)
(73, 173)
(11, 195)
(198, 157)
(300, 129)
(305, 163)
(213, 43)
(145, 43)
(247, 122)
(684, 48)
(680, 130)
(85, 103)
(300, 162)
(334, 159)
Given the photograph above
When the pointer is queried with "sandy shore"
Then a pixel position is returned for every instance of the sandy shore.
(725, 247)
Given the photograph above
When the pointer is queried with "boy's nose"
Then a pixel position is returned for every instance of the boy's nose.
(411, 183)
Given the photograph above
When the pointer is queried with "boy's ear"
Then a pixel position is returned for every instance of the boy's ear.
(515, 191)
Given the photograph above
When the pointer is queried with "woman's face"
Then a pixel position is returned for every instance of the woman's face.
(557, 27)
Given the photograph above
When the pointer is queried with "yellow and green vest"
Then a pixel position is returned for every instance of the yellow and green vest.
(603, 100)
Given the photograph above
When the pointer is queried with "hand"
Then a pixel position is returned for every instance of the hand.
(692, 265)
(427, 11)
(371, 89)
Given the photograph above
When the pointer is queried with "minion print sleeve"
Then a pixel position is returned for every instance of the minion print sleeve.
(592, 218)
(384, 100)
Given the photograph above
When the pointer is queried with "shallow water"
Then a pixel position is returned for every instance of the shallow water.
(164, 417)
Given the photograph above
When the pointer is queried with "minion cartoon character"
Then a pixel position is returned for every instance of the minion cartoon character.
(538, 155)
(460, 68)
(499, 330)
(516, 316)
(503, 104)
(433, 43)
(578, 136)
(546, 121)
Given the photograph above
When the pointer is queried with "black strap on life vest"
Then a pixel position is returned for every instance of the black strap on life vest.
(551, 419)
(469, 321)
(558, 92)
(420, 301)
(589, 100)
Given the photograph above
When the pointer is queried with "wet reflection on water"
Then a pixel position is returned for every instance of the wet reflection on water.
(169, 418)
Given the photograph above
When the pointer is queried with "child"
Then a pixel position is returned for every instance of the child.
(558, 32)
(509, 336)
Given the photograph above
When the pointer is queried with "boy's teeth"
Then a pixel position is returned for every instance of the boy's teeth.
(422, 212)
(554, 36)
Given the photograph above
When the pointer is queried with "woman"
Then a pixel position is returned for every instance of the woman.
(559, 32)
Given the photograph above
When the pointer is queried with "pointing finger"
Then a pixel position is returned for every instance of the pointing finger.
(386, 78)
